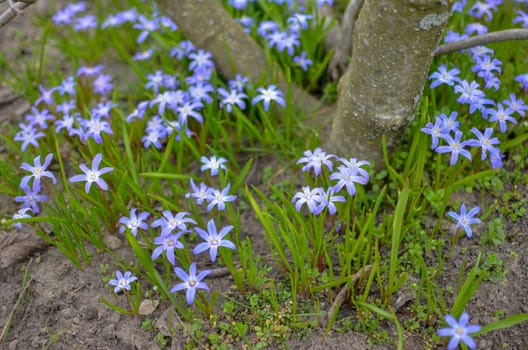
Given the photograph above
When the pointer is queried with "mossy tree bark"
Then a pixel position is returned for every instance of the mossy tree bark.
(393, 47)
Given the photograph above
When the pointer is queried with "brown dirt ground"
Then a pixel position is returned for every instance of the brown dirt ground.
(61, 307)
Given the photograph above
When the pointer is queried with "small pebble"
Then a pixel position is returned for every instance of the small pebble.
(147, 307)
(112, 242)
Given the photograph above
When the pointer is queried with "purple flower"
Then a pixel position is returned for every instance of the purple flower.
(28, 136)
(459, 331)
(271, 93)
(522, 18)
(436, 131)
(37, 171)
(477, 28)
(191, 282)
(213, 164)
(456, 147)
(188, 109)
(103, 84)
(311, 198)
(327, 200)
(167, 243)
(90, 71)
(67, 86)
(469, 92)
(347, 177)
(46, 96)
(213, 240)
(200, 192)
(219, 198)
(523, 79)
(170, 222)
(449, 123)
(502, 116)
(495, 158)
(21, 214)
(143, 55)
(134, 222)
(483, 9)
(94, 127)
(153, 137)
(84, 23)
(485, 142)
(231, 98)
(316, 160)
(200, 92)
(303, 61)
(31, 198)
(443, 76)
(486, 64)
(465, 219)
(92, 175)
(122, 282)
(239, 83)
(146, 26)
(516, 104)
(155, 81)
(200, 59)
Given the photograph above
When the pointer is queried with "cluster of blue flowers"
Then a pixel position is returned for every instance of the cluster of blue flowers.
(473, 93)
(348, 174)
(32, 195)
(176, 99)
(173, 227)
(275, 35)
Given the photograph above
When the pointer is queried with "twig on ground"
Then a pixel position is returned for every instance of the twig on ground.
(26, 282)
(493, 37)
(219, 272)
(14, 9)
(340, 297)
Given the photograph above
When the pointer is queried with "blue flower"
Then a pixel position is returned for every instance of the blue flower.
(312, 198)
(170, 222)
(219, 198)
(122, 281)
(213, 239)
(213, 164)
(231, 98)
(167, 243)
(459, 331)
(134, 222)
(271, 93)
(502, 116)
(191, 282)
(484, 141)
(436, 130)
(37, 171)
(303, 61)
(443, 76)
(456, 147)
(200, 192)
(315, 160)
(21, 214)
(465, 219)
(92, 175)
(31, 198)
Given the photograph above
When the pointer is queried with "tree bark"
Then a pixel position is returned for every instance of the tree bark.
(393, 46)
(210, 27)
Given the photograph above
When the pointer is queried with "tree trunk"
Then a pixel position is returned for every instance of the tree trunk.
(393, 46)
